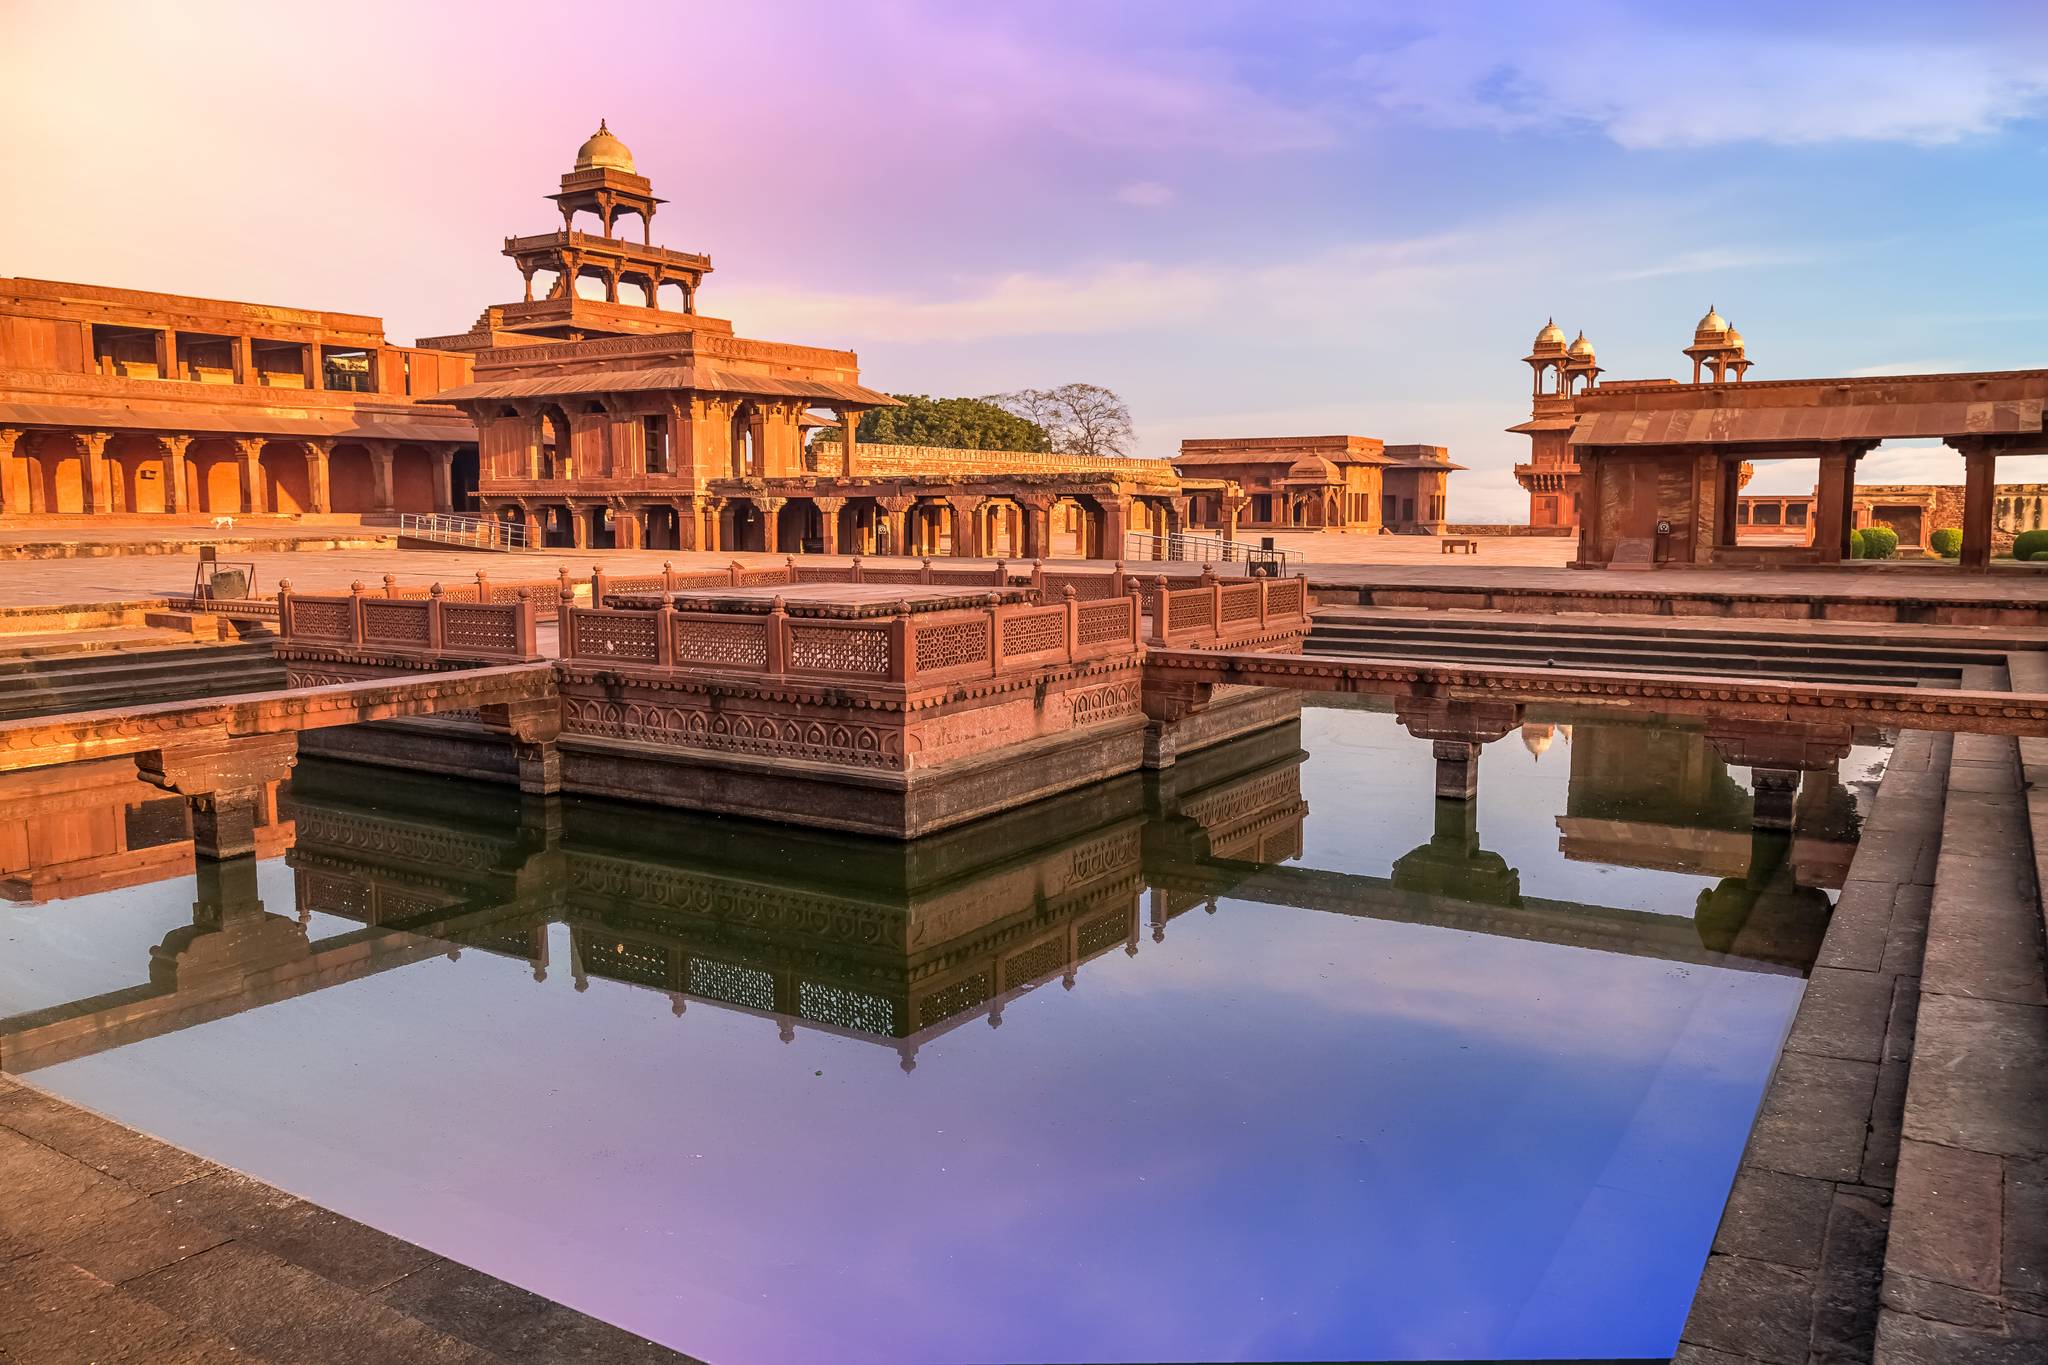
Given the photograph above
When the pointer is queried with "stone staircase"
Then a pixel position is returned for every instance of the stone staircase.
(35, 682)
(1637, 645)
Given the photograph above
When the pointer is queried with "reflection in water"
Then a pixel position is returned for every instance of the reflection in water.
(1337, 1113)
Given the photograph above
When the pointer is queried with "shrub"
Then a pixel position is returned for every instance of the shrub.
(2027, 544)
(1855, 544)
(1880, 542)
(1947, 542)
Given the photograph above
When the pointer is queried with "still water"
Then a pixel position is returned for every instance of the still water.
(1274, 1058)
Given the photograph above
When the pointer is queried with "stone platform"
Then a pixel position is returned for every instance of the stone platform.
(894, 707)
(120, 1249)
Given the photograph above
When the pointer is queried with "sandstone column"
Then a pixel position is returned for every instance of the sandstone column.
(10, 501)
(966, 522)
(444, 479)
(893, 511)
(174, 470)
(1980, 478)
(1457, 730)
(318, 451)
(828, 521)
(99, 482)
(226, 784)
(771, 514)
(249, 456)
(382, 456)
(849, 425)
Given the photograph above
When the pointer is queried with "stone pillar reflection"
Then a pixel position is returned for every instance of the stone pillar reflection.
(1775, 796)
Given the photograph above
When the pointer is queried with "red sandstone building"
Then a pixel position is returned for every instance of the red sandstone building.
(118, 401)
(1315, 483)
(1650, 472)
(600, 409)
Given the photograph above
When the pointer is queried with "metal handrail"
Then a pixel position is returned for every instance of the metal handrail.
(1177, 545)
(477, 533)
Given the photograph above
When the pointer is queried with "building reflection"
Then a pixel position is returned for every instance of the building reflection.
(97, 826)
(893, 943)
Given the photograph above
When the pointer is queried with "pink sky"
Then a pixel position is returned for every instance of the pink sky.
(1343, 218)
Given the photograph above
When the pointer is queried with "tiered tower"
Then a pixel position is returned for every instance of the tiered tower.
(662, 284)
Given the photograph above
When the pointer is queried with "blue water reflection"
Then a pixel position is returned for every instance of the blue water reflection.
(1338, 1083)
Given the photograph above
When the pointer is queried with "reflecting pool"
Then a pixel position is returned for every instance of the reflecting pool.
(1271, 1056)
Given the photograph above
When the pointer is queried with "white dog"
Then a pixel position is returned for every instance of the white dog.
(223, 523)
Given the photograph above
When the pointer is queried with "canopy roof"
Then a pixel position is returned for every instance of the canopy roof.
(1808, 425)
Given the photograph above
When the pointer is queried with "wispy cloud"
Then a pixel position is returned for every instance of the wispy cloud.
(1649, 77)
(1711, 261)
(1145, 194)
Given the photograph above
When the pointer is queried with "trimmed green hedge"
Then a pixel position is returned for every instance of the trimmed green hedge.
(1879, 542)
(1947, 542)
(2027, 544)
(1855, 544)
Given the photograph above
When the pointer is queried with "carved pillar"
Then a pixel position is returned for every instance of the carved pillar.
(244, 361)
(1233, 505)
(319, 449)
(1980, 480)
(849, 428)
(10, 499)
(1037, 526)
(966, 520)
(99, 483)
(771, 514)
(1776, 755)
(1457, 730)
(534, 727)
(383, 454)
(1831, 520)
(1116, 519)
(828, 521)
(579, 526)
(444, 479)
(689, 523)
(167, 354)
(249, 457)
(892, 525)
(174, 448)
(316, 373)
(227, 785)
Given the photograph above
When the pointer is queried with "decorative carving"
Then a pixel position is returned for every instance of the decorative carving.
(1036, 633)
(839, 649)
(951, 645)
(742, 644)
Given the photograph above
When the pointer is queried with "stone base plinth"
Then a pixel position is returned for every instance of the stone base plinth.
(1230, 712)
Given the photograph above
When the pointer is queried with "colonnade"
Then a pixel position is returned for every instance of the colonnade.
(44, 471)
(1028, 525)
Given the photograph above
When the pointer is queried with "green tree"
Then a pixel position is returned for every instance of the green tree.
(957, 423)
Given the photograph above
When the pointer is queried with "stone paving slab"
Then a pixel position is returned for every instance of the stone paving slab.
(1966, 1263)
(115, 1247)
(1796, 1267)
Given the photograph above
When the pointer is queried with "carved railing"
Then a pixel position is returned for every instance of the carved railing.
(1088, 584)
(897, 647)
(434, 625)
(1216, 612)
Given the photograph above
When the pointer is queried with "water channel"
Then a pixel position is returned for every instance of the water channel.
(1272, 1056)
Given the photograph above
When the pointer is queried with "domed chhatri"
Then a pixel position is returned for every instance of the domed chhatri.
(602, 151)
(1551, 337)
(1717, 352)
(1581, 349)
